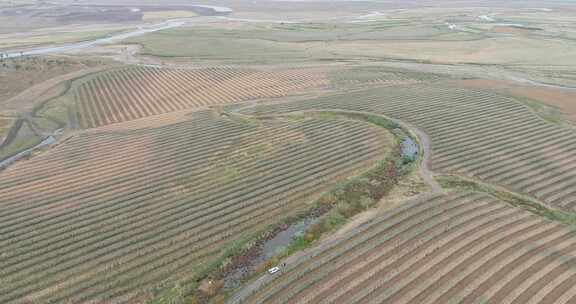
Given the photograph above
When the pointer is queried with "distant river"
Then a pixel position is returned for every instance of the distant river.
(168, 24)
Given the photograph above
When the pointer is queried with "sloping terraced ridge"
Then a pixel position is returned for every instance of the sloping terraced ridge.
(455, 248)
(116, 211)
(134, 92)
(473, 133)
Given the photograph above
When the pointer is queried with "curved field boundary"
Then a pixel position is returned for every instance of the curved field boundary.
(458, 247)
(135, 92)
(473, 133)
(114, 211)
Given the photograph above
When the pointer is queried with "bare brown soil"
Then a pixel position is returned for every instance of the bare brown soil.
(563, 99)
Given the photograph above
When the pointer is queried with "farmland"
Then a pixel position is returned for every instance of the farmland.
(461, 247)
(103, 99)
(118, 211)
(339, 152)
(473, 133)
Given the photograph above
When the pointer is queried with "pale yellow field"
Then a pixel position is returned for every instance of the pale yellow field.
(161, 15)
(495, 50)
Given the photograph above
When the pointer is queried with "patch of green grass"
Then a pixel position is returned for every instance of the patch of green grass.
(19, 144)
(46, 123)
(231, 48)
(5, 125)
(382, 122)
(243, 119)
(58, 109)
(548, 113)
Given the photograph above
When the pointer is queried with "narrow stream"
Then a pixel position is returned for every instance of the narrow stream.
(270, 248)
(283, 239)
(8, 161)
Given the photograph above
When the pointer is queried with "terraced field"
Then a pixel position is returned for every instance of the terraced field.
(473, 133)
(135, 92)
(455, 248)
(378, 76)
(116, 211)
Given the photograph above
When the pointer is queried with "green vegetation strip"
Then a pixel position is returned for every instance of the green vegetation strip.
(517, 200)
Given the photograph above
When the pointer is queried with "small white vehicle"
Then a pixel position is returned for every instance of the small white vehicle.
(273, 270)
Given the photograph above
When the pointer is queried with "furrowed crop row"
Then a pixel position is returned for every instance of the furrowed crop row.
(185, 150)
(493, 220)
(475, 242)
(507, 270)
(299, 153)
(509, 140)
(98, 246)
(514, 167)
(458, 262)
(426, 246)
(491, 128)
(462, 135)
(304, 181)
(370, 262)
(518, 174)
(153, 91)
(473, 133)
(359, 240)
(168, 133)
(487, 156)
(76, 163)
(219, 136)
(189, 160)
(259, 167)
(150, 278)
(43, 223)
